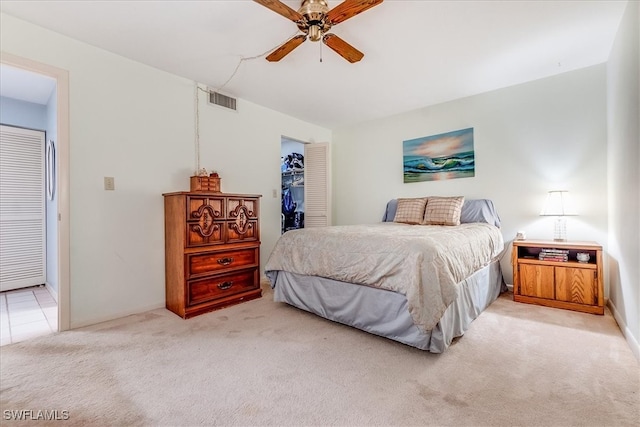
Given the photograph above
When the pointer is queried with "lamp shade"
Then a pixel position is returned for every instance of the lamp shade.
(558, 203)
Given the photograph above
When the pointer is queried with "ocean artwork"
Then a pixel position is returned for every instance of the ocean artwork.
(445, 156)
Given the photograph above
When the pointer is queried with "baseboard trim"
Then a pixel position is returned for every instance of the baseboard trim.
(52, 291)
(114, 316)
(633, 343)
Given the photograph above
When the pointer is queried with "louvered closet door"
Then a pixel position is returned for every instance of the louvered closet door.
(22, 208)
(317, 207)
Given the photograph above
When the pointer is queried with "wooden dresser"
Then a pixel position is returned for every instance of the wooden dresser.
(212, 250)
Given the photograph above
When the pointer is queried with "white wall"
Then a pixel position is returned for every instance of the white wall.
(15, 112)
(136, 123)
(529, 139)
(623, 73)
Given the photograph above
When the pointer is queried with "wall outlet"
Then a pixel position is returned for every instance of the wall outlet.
(109, 183)
(275, 193)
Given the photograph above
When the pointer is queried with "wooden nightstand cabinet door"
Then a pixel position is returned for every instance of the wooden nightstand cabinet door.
(576, 285)
(537, 281)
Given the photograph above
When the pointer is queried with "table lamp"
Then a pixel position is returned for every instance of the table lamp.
(558, 205)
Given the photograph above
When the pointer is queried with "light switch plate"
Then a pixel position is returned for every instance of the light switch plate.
(109, 183)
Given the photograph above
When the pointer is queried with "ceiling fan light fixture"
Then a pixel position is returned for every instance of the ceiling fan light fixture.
(314, 19)
(314, 10)
(314, 33)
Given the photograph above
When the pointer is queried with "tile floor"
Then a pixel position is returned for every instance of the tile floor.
(27, 313)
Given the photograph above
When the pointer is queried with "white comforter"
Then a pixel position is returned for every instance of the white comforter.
(425, 263)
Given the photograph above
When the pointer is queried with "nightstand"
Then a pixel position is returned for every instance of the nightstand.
(548, 273)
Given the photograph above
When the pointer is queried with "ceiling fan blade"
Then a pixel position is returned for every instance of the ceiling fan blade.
(281, 8)
(286, 48)
(342, 48)
(348, 9)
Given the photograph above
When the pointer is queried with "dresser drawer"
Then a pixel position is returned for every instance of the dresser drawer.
(205, 233)
(243, 232)
(204, 290)
(198, 205)
(204, 221)
(242, 205)
(243, 221)
(200, 264)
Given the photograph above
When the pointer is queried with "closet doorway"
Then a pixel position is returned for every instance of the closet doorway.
(306, 184)
(292, 194)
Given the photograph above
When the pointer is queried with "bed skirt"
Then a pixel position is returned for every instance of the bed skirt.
(385, 313)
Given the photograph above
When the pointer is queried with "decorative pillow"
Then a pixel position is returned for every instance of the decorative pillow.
(410, 211)
(443, 210)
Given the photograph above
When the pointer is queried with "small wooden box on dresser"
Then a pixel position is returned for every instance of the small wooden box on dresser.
(569, 284)
(212, 250)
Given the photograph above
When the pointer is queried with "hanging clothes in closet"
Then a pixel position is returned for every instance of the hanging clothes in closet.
(292, 191)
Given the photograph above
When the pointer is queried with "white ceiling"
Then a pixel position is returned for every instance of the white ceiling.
(417, 53)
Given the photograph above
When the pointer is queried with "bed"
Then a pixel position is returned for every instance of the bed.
(407, 278)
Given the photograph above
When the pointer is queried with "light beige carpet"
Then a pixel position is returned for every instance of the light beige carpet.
(265, 363)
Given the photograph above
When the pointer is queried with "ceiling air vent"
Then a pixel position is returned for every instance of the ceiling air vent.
(222, 100)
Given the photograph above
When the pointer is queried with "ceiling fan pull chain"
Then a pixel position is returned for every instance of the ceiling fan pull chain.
(320, 51)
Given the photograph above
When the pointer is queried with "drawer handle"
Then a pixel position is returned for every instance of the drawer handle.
(225, 285)
(225, 261)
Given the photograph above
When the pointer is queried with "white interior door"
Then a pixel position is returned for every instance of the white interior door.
(22, 208)
(317, 197)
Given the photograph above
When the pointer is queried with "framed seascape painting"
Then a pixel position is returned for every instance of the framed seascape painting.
(445, 156)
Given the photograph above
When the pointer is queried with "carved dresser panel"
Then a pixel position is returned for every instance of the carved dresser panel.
(212, 250)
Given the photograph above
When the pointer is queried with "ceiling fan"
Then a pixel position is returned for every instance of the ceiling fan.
(315, 19)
